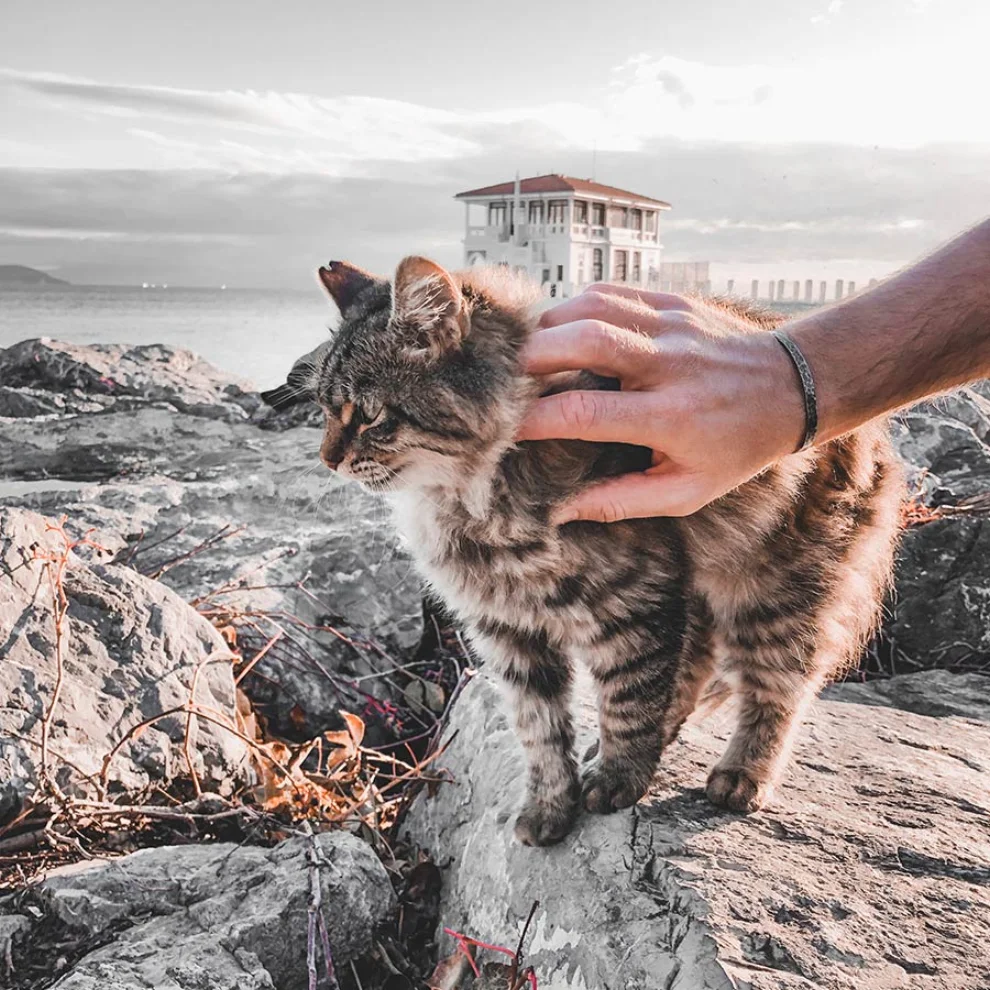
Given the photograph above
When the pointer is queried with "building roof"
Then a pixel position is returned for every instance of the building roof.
(562, 184)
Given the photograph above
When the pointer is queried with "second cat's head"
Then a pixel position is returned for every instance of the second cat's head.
(420, 384)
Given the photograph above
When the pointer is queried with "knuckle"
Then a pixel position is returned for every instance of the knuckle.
(580, 410)
(599, 289)
(595, 337)
(611, 511)
(588, 306)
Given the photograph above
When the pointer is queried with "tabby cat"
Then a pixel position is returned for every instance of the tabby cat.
(765, 593)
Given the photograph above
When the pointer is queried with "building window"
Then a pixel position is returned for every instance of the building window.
(637, 267)
(618, 216)
(497, 214)
(598, 214)
(557, 211)
(596, 264)
(536, 211)
(621, 261)
(560, 273)
(650, 217)
(580, 211)
(636, 219)
(546, 276)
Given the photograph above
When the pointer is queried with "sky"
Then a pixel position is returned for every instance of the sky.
(245, 143)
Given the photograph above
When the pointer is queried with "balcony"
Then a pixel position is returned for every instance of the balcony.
(525, 232)
(493, 232)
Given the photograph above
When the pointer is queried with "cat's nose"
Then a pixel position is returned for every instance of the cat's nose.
(330, 463)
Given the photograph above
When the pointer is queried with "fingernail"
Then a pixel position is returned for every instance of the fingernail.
(563, 515)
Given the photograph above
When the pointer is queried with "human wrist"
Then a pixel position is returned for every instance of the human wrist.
(776, 394)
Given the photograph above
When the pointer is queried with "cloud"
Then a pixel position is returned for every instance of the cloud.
(831, 11)
(344, 128)
(731, 203)
(876, 101)
(884, 100)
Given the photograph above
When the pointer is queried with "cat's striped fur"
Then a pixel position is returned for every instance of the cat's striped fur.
(765, 593)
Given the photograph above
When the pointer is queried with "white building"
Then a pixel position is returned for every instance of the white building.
(565, 232)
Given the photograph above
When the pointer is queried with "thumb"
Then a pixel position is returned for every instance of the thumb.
(633, 496)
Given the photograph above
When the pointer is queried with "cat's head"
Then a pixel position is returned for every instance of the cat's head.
(421, 384)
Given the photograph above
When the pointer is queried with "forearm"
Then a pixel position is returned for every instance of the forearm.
(921, 332)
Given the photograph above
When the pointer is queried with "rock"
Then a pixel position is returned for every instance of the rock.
(130, 648)
(218, 917)
(11, 926)
(870, 869)
(966, 405)
(169, 479)
(937, 693)
(30, 402)
(108, 373)
(940, 612)
(949, 450)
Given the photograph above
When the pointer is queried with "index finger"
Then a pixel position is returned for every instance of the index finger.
(655, 300)
(641, 311)
(588, 345)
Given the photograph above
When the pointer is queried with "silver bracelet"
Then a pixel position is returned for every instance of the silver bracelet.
(807, 387)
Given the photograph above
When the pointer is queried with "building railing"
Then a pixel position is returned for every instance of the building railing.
(528, 231)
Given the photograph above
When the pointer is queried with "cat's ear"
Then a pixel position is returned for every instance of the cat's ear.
(345, 283)
(428, 303)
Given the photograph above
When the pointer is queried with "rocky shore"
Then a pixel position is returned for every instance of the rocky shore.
(187, 598)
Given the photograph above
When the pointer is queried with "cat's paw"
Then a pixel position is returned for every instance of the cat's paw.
(606, 788)
(737, 790)
(545, 824)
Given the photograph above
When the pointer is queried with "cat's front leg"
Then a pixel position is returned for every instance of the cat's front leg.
(636, 667)
(537, 678)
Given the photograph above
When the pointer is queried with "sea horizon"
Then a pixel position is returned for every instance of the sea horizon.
(254, 333)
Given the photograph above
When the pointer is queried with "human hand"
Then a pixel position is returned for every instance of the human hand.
(715, 403)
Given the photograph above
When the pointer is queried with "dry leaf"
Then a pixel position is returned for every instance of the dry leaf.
(355, 725)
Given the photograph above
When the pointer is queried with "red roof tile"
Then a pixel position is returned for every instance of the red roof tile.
(561, 184)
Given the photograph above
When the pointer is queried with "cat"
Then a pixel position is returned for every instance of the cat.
(765, 593)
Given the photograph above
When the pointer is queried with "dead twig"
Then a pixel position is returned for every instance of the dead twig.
(56, 561)
(224, 533)
(249, 666)
(317, 921)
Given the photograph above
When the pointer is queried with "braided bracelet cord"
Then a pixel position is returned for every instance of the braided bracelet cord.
(807, 387)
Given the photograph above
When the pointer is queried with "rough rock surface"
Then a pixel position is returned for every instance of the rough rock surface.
(937, 693)
(217, 917)
(130, 648)
(73, 378)
(940, 614)
(179, 461)
(871, 868)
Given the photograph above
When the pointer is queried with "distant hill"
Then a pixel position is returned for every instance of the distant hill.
(22, 275)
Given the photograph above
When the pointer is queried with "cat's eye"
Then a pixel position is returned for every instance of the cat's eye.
(372, 412)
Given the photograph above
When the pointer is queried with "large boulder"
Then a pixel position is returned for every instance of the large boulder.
(937, 693)
(179, 481)
(92, 377)
(128, 650)
(940, 613)
(222, 917)
(870, 869)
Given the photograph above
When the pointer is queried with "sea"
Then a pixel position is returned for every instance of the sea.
(254, 333)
